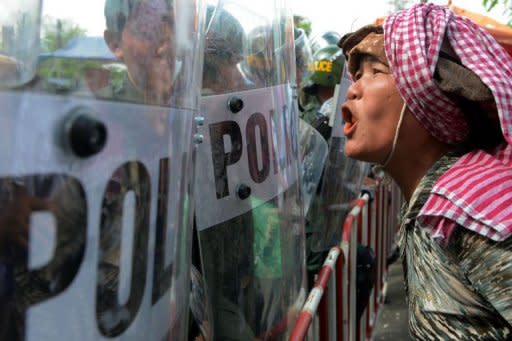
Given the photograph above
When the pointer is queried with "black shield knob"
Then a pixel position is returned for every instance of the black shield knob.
(87, 135)
(243, 191)
(235, 104)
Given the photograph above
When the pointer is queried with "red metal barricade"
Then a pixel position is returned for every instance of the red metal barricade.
(373, 222)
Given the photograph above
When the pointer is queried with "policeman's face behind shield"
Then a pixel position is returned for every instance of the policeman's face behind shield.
(141, 34)
(223, 52)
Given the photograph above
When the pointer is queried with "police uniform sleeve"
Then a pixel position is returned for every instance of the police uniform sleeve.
(488, 266)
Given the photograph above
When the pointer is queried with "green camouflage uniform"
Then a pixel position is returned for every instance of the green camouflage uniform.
(120, 88)
(310, 106)
(314, 260)
(462, 291)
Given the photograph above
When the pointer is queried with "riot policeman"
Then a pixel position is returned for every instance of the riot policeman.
(326, 74)
(141, 35)
(256, 65)
(224, 50)
(248, 201)
(312, 145)
(93, 194)
(303, 63)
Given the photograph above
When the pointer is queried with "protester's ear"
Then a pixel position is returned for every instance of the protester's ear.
(113, 43)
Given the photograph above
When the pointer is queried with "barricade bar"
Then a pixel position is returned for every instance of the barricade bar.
(311, 306)
(370, 222)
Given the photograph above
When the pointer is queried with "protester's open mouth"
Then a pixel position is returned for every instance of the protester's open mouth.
(350, 121)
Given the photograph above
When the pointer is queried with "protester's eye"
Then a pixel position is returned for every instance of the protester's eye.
(379, 68)
(358, 75)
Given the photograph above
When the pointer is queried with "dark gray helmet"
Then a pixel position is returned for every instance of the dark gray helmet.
(117, 11)
(323, 40)
(224, 34)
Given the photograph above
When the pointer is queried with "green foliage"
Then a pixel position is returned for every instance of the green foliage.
(398, 5)
(489, 5)
(507, 5)
(303, 23)
(66, 68)
(64, 73)
(58, 32)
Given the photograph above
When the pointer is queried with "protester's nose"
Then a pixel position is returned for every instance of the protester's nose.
(353, 91)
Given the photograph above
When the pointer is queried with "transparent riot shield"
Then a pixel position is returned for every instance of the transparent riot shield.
(19, 42)
(304, 62)
(341, 182)
(94, 180)
(312, 153)
(248, 210)
(312, 145)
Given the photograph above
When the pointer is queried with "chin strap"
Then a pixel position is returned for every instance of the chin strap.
(380, 168)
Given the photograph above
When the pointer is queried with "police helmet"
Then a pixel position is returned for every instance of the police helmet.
(117, 12)
(323, 40)
(224, 34)
(327, 68)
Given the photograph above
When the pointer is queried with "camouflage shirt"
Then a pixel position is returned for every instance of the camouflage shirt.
(119, 88)
(462, 291)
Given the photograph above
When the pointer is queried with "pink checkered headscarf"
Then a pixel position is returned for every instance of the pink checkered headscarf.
(476, 192)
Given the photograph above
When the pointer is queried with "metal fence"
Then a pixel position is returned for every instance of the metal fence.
(372, 222)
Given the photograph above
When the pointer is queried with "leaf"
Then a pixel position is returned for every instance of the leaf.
(492, 4)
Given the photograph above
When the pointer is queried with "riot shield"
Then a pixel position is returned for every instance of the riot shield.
(94, 180)
(304, 62)
(312, 145)
(341, 182)
(249, 211)
(20, 41)
(312, 153)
